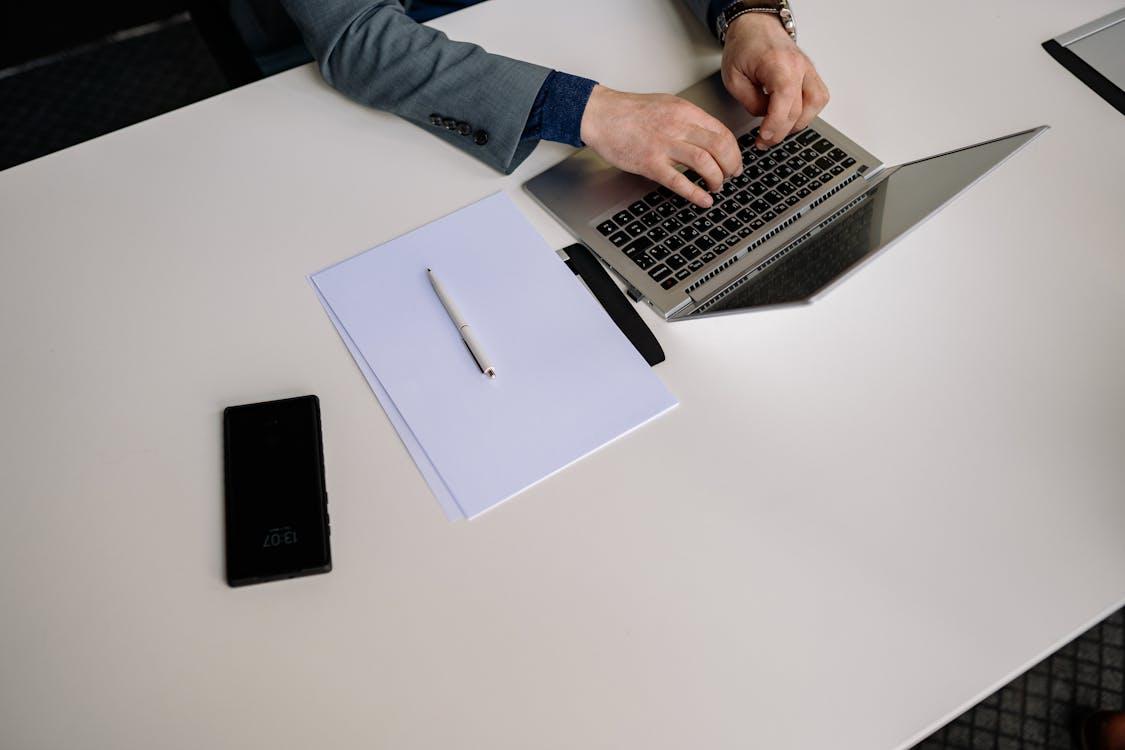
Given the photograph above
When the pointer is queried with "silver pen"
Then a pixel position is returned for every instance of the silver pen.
(463, 328)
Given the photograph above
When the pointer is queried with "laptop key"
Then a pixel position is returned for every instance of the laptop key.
(669, 282)
(691, 252)
(757, 188)
(673, 243)
(718, 249)
(823, 146)
(807, 136)
(671, 225)
(745, 140)
(804, 193)
(837, 155)
(682, 274)
(797, 163)
(665, 210)
(708, 257)
(792, 200)
(757, 224)
(696, 265)
(660, 252)
(654, 198)
(716, 214)
(619, 239)
(793, 145)
(719, 234)
(759, 206)
(644, 262)
(638, 246)
(660, 272)
(650, 219)
(745, 232)
(772, 198)
(809, 155)
(688, 233)
(657, 234)
(824, 162)
(783, 171)
(785, 188)
(746, 216)
(769, 180)
(676, 261)
(732, 224)
(769, 216)
(798, 179)
(607, 227)
(704, 243)
(636, 229)
(814, 185)
(703, 224)
(846, 163)
(640, 207)
(622, 218)
(837, 170)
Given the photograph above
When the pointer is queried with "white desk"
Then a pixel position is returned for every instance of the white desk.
(865, 515)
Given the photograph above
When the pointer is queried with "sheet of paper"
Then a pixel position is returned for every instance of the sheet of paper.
(437, 486)
(567, 380)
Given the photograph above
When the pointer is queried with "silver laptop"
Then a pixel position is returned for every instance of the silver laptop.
(800, 218)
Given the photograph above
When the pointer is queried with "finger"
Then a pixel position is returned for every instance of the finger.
(720, 144)
(815, 96)
(778, 120)
(748, 94)
(699, 159)
(674, 180)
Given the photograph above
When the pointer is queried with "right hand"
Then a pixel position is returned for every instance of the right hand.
(649, 134)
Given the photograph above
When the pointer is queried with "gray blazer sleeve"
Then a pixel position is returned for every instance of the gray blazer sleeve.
(374, 53)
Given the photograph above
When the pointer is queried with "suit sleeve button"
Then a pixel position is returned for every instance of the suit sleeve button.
(481, 137)
(449, 123)
(435, 119)
(464, 128)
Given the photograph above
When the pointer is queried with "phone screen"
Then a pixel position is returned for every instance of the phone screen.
(276, 504)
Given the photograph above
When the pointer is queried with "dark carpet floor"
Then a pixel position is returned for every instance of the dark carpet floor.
(1039, 708)
(59, 104)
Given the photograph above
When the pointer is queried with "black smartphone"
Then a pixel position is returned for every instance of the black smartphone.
(276, 503)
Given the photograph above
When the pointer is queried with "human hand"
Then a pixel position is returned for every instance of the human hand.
(759, 57)
(649, 134)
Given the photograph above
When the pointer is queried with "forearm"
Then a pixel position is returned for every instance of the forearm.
(372, 52)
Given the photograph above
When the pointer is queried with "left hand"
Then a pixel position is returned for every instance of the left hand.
(760, 57)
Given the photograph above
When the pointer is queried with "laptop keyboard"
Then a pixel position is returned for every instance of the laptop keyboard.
(671, 238)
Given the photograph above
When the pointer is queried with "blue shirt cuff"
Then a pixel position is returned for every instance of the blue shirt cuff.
(557, 112)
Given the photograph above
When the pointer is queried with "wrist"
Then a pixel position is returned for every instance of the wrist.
(755, 25)
(588, 129)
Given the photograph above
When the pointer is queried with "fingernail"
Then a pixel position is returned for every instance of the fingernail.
(708, 201)
(767, 135)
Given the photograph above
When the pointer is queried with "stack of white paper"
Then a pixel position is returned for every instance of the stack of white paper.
(567, 380)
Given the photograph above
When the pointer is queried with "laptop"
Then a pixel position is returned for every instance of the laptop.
(801, 217)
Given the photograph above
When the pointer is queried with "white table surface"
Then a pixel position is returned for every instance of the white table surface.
(865, 514)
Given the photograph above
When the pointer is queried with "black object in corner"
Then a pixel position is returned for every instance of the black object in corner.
(1086, 73)
(586, 266)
